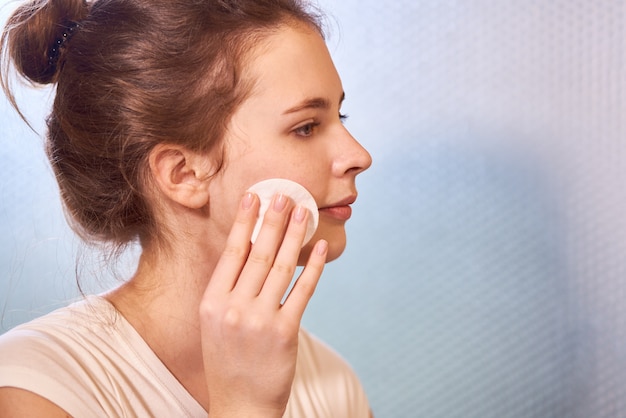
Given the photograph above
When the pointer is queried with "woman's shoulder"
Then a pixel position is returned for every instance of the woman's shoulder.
(87, 359)
(88, 324)
(78, 322)
(315, 356)
(59, 356)
(325, 384)
(68, 343)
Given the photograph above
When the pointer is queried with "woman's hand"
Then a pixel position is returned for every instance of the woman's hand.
(250, 338)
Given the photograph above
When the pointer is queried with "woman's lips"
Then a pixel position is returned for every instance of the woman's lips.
(342, 213)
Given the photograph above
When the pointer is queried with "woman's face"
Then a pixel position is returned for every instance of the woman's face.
(290, 127)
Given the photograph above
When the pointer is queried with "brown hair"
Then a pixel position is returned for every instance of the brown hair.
(135, 73)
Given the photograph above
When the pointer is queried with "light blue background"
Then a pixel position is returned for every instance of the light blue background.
(485, 266)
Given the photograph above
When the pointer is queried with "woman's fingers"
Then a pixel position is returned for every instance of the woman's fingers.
(277, 233)
(303, 289)
(266, 269)
(285, 263)
(237, 248)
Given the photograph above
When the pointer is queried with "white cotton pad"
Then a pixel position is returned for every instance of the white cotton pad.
(266, 190)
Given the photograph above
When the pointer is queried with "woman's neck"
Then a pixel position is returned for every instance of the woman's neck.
(161, 302)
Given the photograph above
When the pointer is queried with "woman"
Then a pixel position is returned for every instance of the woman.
(166, 112)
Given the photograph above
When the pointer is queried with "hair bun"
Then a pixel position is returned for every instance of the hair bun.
(36, 33)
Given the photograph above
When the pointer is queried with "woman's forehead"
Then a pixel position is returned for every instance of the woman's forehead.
(294, 62)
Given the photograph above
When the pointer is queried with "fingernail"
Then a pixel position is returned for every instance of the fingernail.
(299, 214)
(280, 201)
(246, 202)
(322, 246)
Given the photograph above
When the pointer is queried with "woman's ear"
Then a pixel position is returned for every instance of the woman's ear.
(181, 175)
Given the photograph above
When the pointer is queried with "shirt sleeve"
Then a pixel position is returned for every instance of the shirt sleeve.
(35, 362)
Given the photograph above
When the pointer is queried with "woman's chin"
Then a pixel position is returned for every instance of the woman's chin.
(336, 246)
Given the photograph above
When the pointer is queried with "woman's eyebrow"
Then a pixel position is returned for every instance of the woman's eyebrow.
(313, 103)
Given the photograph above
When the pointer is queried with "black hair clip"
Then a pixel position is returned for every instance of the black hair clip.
(53, 52)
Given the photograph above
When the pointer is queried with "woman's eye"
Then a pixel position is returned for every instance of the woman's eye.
(306, 130)
(343, 117)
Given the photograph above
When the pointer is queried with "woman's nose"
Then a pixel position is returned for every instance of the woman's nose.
(353, 158)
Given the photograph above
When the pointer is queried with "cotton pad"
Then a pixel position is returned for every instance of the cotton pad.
(266, 190)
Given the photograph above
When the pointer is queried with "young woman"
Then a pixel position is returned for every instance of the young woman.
(166, 112)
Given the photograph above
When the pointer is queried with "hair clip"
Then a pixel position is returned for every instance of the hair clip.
(53, 52)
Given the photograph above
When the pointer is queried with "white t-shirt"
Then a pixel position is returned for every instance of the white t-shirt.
(87, 359)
